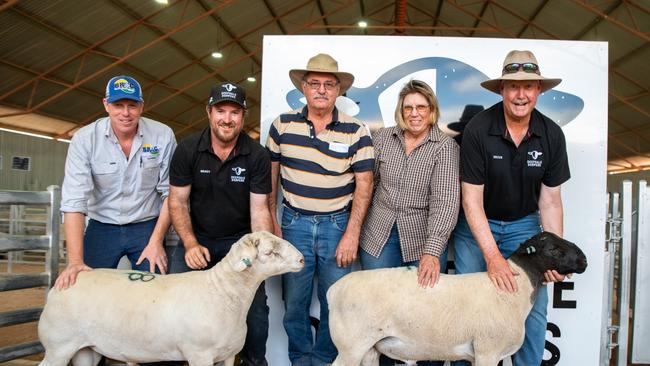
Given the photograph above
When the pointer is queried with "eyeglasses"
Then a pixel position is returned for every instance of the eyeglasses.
(421, 108)
(525, 67)
(315, 85)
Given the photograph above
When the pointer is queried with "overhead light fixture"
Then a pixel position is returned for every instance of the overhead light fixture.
(27, 133)
(162, 2)
(64, 140)
(362, 24)
(217, 54)
(251, 78)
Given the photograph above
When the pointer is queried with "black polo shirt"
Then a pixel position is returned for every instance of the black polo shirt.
(511, 175)
(220, 194)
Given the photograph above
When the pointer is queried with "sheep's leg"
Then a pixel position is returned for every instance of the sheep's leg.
(58, 357)
(485, 360)
(205, 359)
(371, 358)
(230, 361)
(351, 359)
(86, 357)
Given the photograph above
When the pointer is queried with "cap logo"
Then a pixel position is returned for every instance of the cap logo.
(229, 87)
(124, 86)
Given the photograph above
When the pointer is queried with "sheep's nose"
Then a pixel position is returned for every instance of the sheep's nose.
(582, 264)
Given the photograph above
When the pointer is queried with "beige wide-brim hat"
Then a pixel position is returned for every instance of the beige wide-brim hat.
(520, 57)
(326, 64)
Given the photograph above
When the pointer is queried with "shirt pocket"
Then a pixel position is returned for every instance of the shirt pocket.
(105, 175)
(150, 173)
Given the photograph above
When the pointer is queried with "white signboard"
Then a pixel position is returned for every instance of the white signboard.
(454, 67)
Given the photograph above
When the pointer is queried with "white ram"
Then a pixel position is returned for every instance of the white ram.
(139, 317)
(462, 317)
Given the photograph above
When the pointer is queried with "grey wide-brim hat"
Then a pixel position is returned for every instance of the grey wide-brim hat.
(520, 57)
(326, 64)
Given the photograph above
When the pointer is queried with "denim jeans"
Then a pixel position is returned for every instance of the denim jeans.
(316, 237)
(105, 244)
(469, 259)
(390, 257)
(257, 320)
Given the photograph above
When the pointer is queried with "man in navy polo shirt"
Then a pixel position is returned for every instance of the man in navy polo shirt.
(513, 161)
(225, 177)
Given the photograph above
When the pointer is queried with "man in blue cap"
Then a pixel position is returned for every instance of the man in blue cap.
(117, 174)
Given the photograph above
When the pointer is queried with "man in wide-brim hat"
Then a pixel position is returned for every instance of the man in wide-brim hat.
(513, 161)
(324, 158)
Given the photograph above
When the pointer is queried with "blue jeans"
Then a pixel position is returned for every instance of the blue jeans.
(390, 257)
(105, 244)
(469, 259)
(316, 237)
(257, 320)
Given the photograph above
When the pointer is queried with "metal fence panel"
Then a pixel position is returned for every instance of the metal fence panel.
(641, 326)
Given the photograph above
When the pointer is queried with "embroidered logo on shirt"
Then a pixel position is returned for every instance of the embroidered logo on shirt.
(534, 163)
(535, 154)
(238, 177)
(147, 148)
(204, 171)
(497, 157)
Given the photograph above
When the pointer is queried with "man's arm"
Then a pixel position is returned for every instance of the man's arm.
(552, 216)
(272, 198)
(500, 273)
(260, 214)
(155, 251)
(348, 248)
(73, 226)
(196, 255)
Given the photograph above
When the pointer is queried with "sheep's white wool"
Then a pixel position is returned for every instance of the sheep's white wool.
(138, 317)
(462, 317)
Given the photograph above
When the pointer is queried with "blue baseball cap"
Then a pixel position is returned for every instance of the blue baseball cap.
(123, 87)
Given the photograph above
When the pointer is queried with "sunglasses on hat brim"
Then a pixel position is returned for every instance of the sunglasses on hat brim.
(525, 67)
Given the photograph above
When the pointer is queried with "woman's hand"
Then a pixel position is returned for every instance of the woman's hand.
(428, 270)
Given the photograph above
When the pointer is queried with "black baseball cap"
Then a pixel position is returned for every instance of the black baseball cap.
(227, 92)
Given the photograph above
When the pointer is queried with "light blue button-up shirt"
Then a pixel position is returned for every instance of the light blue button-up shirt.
(102, 183)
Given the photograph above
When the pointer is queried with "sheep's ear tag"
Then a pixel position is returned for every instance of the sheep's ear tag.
(247, 262)
(530, 250)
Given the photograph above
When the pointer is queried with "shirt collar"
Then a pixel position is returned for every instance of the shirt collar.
(434, 134)
(108, 130)
(498, 126)
(335, 115)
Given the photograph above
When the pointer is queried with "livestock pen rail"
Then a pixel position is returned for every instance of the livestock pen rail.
(11, 243)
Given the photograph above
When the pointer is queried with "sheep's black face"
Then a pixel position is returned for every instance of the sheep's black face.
(553, 252)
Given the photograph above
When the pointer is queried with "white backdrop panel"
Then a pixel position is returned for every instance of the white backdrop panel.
(454, 67)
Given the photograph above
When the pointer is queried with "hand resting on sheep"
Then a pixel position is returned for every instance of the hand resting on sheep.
(462, 317)
(140, 317)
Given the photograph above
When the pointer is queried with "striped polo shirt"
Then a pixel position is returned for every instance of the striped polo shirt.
(317, 171)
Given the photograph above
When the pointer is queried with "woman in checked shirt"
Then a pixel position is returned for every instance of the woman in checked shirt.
(417, 189)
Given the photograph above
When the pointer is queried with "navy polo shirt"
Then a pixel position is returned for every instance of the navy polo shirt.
(511, 175)
(220, 194)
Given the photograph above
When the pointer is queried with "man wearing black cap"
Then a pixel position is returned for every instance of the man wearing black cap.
(225, 177)
(117, 174)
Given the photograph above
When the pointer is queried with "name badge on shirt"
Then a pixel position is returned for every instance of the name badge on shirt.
(339, 147)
